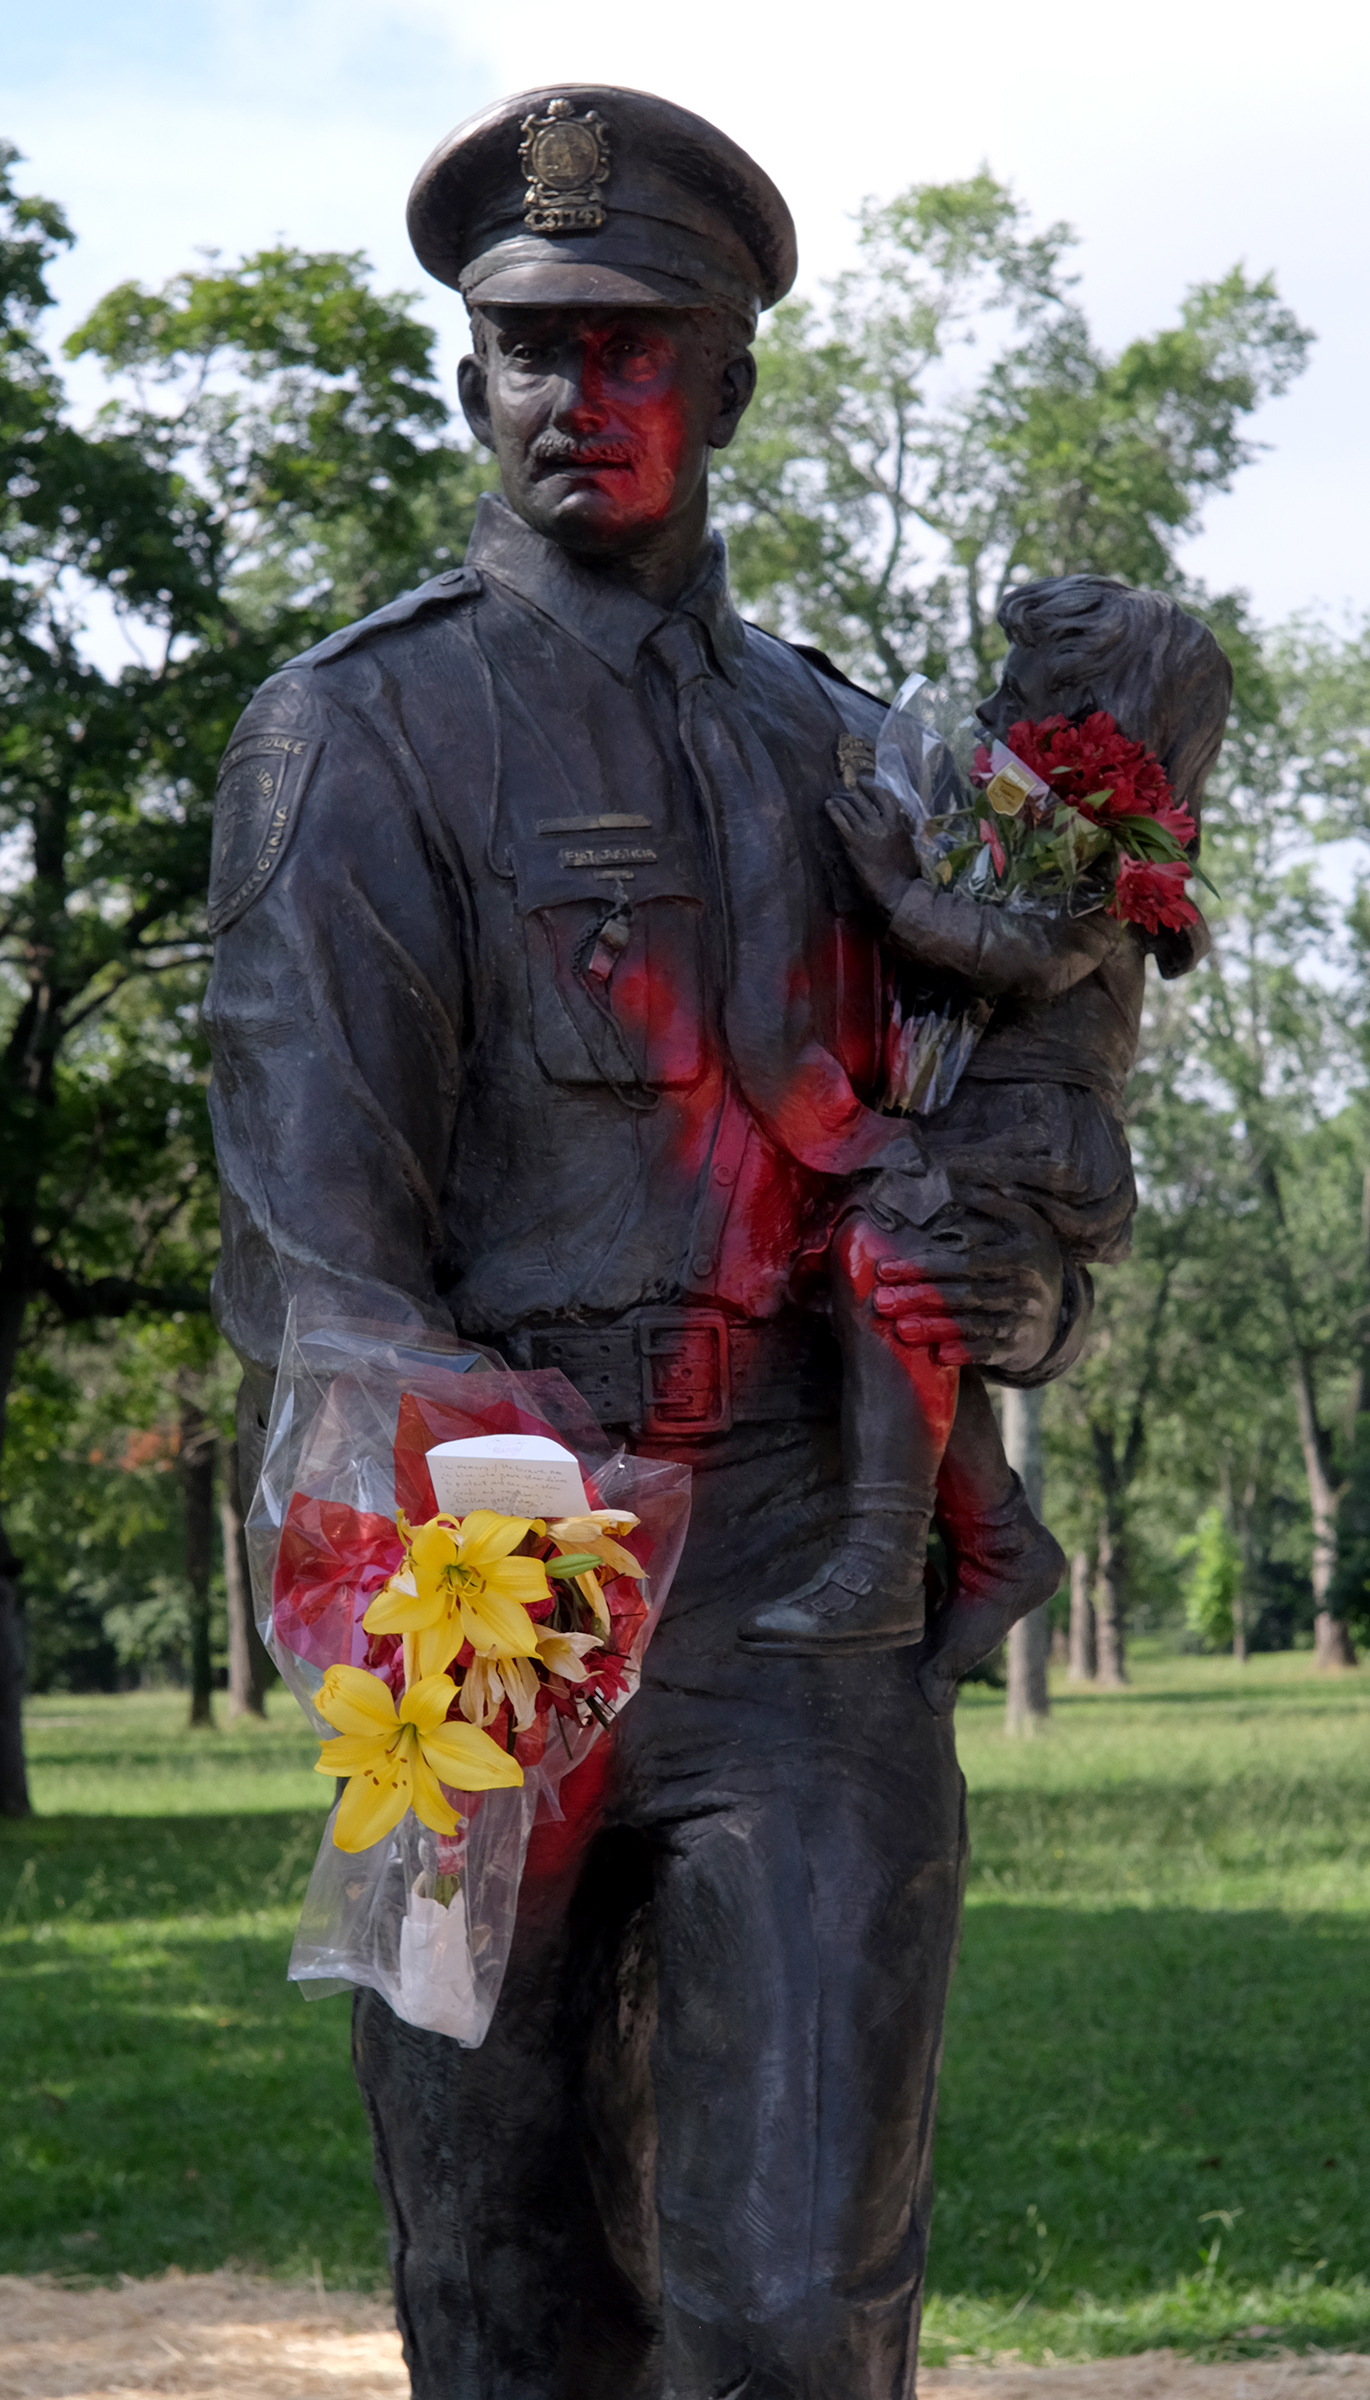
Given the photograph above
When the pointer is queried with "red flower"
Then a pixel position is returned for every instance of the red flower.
(1179, 822)
(1152, 896)
(996, 848)
(1079, 761)
(385, 1657)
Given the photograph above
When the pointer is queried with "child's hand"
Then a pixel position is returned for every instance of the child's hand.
(878, 840)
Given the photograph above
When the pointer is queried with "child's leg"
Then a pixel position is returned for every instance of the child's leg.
(1004, 1562)
(898, 1404)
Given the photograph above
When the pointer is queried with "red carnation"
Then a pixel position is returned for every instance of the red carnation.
(1079, 761)
(1152, 896)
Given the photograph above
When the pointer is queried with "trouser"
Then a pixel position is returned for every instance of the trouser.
(692, 2158)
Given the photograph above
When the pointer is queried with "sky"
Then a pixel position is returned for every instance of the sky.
(1177, 138)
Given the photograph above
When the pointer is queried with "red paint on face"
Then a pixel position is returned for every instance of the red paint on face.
(600, 420)
(629, 403)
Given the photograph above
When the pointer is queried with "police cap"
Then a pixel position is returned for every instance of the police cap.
(588, 194)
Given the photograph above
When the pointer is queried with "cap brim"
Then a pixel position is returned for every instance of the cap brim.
(579, 283)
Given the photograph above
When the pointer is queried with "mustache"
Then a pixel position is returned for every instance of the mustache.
(553, 450)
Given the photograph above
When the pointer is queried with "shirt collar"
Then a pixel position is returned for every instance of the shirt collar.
(607, 617)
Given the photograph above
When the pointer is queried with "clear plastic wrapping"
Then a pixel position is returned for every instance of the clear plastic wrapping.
(427, 1918)
(922, 755)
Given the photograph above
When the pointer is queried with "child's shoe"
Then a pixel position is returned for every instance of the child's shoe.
(868, 1596)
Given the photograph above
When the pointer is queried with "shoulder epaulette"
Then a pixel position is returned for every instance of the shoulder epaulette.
(459, 583)
(821, 660)
(817, 659)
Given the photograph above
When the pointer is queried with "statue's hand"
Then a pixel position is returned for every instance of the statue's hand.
(878, 840)
(990, 1296)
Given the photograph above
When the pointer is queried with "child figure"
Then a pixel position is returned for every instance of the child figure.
(1028, 1163)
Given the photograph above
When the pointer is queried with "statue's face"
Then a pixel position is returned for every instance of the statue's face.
(1028, 688)
(602, 420)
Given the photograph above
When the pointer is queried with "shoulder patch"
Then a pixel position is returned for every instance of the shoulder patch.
(261, 784)
(458, 583)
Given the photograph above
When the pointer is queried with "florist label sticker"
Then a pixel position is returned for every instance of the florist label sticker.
(519, 1474)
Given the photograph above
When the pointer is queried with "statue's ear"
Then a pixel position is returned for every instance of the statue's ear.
(737, 384)
(475, 406)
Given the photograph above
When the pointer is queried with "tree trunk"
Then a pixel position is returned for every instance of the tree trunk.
(1110, 1604)
(1246, 1605)
(1028, 1706)
(16, 1232)
(1029, 1641)
(1082, 1661)
(196, 1464)
(249, 1668)
(1332, 1644)
(14, 1788)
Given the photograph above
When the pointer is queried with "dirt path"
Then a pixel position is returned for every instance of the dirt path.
(232, 2337)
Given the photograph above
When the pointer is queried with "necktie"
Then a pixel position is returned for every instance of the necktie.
(793, 1085)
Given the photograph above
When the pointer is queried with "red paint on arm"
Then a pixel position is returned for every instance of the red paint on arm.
(858, 1252)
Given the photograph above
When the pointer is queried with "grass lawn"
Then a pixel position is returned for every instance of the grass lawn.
(1155, 2119)
(1155, 2107)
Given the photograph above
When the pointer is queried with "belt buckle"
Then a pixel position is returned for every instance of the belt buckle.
(685, 1381)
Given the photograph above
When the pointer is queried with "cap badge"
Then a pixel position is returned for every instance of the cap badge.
(565, 159)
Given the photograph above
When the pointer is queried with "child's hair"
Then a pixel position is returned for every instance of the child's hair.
(1157, 671)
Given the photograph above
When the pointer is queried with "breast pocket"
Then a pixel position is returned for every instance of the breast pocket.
(616, 967)
(617, 992)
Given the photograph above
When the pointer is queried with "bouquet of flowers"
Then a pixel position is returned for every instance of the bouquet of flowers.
(1061, 819)
(1079, 817)
(457, 1577)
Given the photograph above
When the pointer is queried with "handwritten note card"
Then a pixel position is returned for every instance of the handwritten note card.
(520, 1474)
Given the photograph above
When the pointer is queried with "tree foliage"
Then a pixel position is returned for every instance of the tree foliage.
(272, 460)
(881, 503)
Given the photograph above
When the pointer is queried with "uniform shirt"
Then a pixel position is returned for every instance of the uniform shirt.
(466, 1010)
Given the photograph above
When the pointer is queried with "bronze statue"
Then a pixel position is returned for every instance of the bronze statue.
(1033, 1134)
(547, 1007)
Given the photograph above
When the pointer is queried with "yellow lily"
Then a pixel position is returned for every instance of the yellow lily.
(592, 1533)
(459, 1584)
(564, 1654)
(489, 1682)
(396, 1760)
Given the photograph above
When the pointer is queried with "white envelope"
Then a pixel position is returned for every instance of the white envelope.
(520, 1474)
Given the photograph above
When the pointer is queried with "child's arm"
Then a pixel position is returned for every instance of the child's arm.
(999, 951)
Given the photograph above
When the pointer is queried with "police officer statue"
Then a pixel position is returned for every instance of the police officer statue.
(541, 995)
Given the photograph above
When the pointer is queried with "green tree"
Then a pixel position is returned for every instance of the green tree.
(1280, 1017)
(881, 505)
(1248, 1120)
(1213, 1583)
(272, 460)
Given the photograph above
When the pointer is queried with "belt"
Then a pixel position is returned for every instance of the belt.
(686, 1372)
